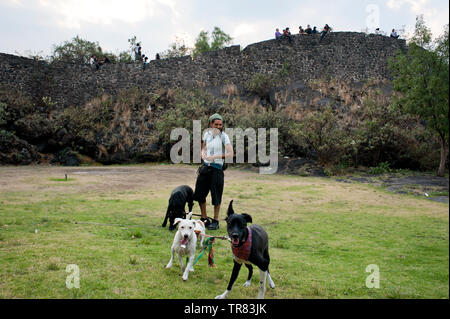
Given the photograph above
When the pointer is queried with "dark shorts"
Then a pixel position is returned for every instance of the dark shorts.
(211, 179)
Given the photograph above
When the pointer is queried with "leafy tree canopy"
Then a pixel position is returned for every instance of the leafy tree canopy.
(421, 81)
(219, 39)
(176, 49)
(80, 51)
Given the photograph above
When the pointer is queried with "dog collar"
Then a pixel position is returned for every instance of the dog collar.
(243, 251)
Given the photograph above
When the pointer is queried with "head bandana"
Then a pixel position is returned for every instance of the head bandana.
(215, 117)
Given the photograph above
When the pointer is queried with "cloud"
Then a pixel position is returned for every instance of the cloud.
(435, 14)
(243, 29)
(416, 6)
(73, 13)
(12, 3)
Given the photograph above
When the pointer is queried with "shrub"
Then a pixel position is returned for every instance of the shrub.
(14, 105)
(382, 134)
(261, 85)
(320, 131)
(184, 107)
(382, 168)
(3, 113)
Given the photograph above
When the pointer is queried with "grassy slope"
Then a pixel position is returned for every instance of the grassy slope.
(323, 235)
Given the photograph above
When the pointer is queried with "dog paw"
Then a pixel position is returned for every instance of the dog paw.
(247, 283)
(223, 296)
(169, 266)
(185, 277)
(191, 269)
(261, 294)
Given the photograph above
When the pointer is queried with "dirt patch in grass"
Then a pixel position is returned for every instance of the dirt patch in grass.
(427, 186)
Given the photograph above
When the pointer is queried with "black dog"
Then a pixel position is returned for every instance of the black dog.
(177, 202)
(250, 245)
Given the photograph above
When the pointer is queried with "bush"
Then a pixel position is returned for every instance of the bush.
(320, 131)
(382, 134)
(106, 126)
(183, 107)
(3, 113)
(261, 85)
(14, 105)
(382, 168)
(240, 114)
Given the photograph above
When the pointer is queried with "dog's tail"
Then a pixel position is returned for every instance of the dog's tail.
(230, 209)
(165, 218)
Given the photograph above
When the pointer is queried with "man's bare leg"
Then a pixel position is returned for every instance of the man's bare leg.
(203, 209)
(216, 211)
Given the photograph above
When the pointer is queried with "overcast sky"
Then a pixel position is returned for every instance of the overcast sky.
(34, 26)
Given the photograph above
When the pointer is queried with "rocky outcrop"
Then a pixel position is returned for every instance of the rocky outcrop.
(72, 109)
(348, 56)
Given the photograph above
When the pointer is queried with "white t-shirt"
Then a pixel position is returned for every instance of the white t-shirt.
(215, 145)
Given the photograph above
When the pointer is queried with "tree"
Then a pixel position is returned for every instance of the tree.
(76, 50)
(124, 57)
(219, 40)
(80, 51)
(421, 83)
(176, 49)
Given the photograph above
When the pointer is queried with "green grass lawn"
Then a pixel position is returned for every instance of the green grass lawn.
(323, 234)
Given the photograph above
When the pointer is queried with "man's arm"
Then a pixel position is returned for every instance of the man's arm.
(203, 151)
(228, 151)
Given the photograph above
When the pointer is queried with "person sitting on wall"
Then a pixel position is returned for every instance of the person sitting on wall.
(278, 34)
(157, 56)
(95, 62)
(287, 34)
(326, 29)
(300, 30)
(105, 60)
(394, 34)
(314, 30)
(144, 64)
(92, 60)
(308, 29)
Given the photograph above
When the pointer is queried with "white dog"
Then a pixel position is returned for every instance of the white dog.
(199, 229)
(184, 243)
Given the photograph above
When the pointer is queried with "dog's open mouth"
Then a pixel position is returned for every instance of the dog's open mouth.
(184, 241)
(235, 241)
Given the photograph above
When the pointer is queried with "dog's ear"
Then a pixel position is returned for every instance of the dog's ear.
(247, 218)
(189, 215)
(177, 220)
(230, 209)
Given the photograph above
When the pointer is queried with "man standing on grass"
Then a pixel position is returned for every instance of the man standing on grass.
(216, 146)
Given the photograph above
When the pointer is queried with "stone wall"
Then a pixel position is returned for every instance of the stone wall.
(347, 56)
(26, 75)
